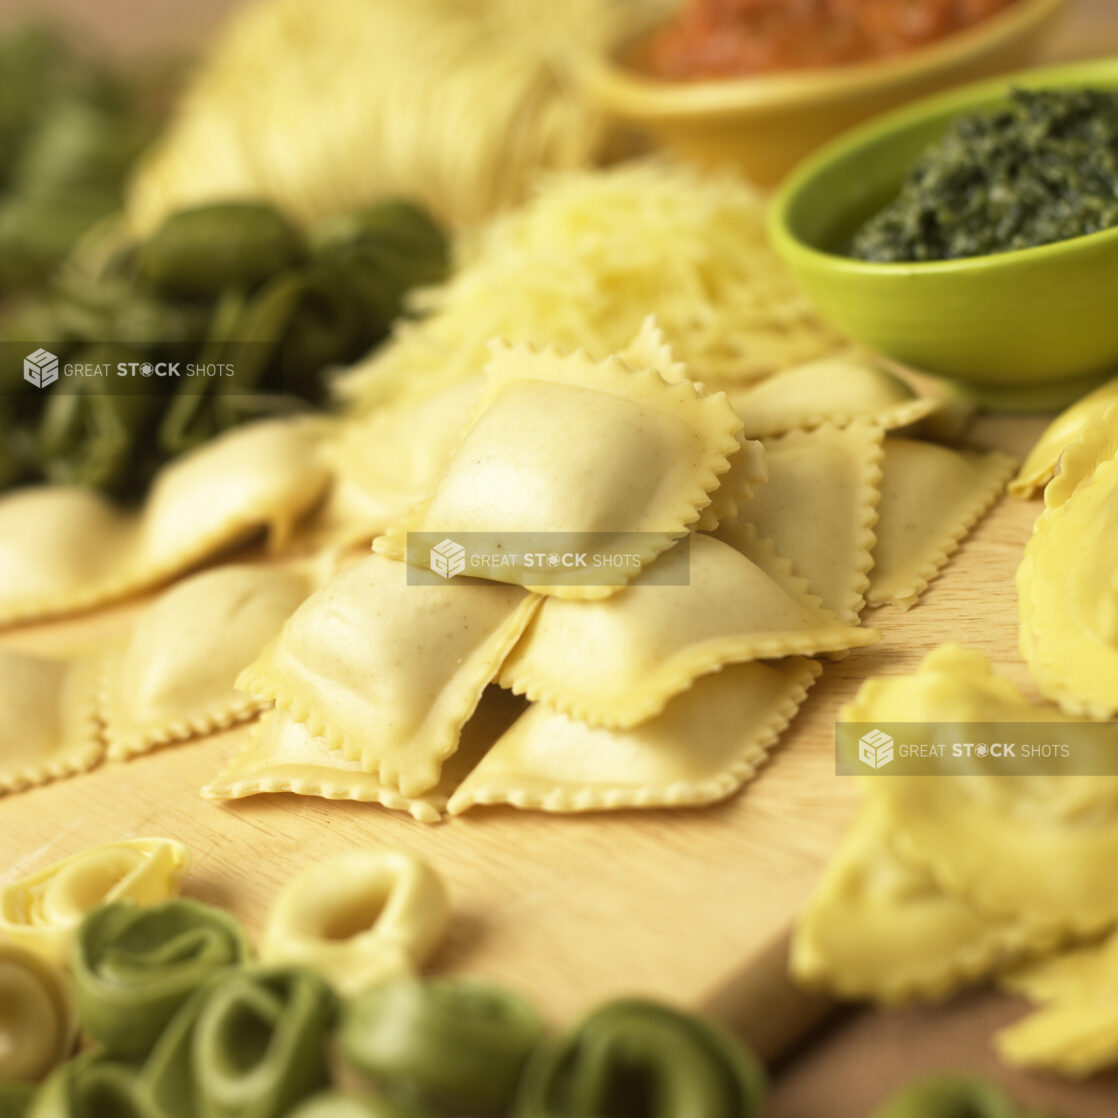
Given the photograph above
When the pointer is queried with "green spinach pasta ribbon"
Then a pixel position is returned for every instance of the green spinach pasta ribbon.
(15, 1099)
(250, 1044)
(134, 967)
(678, 1065)
(454, 1044)
(92, 1087)
(950, 1096)
(341, 1104)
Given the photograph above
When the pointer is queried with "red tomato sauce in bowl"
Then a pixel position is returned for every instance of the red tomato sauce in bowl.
(712, 39)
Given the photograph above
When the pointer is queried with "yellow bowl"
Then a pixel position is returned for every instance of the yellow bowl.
(764, 125)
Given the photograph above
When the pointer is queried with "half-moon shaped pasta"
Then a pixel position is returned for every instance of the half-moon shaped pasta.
(879, 927)
(646, 458)
(38, 1025)
(358, 919)
(284, 756)
(42, 911)
(931, 497)
(819, 508)
(49, 724)
(983, 836)
(618, 662)
(387, 672)
(704, 746)
(65, 551)
(1040, 465)
(832, 390)
(1067, 584)
(173, 679)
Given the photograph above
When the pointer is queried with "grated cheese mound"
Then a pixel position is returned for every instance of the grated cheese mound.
(586, 261)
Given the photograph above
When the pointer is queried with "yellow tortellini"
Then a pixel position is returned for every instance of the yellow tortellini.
(559, 443)
(358, 919)
(387, 672)
(42, 912)
(63, 550)
(173, 677)
(38, 1022)
(1067, 583)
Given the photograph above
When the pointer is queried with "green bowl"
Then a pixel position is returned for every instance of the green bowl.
(1023, 331)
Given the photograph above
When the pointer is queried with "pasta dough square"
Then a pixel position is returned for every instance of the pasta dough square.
(704, 746)
(50, 728)
(173, 677)
(819, 509)
(559, 443)
(618, 662)
(67, 550)
(931, 497)
(387, 672)
(284, 756)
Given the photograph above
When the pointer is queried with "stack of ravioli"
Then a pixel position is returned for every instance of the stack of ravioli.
(433, 698)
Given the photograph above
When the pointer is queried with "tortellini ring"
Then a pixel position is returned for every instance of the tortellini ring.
(38, 1024)
(358, 919)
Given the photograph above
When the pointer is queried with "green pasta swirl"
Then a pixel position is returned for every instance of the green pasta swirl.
(950, 1096)
(250, 1044)
(92, 1087)
(678, 1065)
(134, 967)
(341, 1104)
(456, 1045)
(15, 1099)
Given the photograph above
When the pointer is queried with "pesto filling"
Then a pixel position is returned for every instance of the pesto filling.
(1042, 169)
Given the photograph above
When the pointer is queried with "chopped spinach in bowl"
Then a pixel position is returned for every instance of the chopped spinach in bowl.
(1042, 169)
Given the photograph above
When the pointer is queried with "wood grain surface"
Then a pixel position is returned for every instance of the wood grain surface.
(571, 908)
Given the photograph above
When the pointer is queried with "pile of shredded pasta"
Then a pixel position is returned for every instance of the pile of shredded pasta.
(323, 105)
(583, 264)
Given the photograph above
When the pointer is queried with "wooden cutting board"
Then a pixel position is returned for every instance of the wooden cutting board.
(570, 908)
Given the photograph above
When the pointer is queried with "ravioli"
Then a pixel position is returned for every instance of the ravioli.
(173, 678)
(1039, 467)
(832, 391)
(650, 350)
(819, 509)
(387, 672)
(559, 443)
(703, 747)
(931, 497)
(49, 729)
(390, 460)
(879, 927)
(62, 551)
(38, 1021)
(983, 836)
(284, 756)
(617, 662)
(1067, 584)
(358, 919)
(42, 911)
